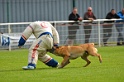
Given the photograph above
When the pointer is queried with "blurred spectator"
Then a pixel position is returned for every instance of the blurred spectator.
(107, 28)
(119, 28)
(72, 30)
(87, 28)
(1, 32)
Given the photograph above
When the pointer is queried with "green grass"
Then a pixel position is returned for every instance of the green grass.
(111, 70)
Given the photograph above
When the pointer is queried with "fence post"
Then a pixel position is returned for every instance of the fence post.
(9, 30)
(55, 24)
(8, 8)
(99, 42)
(73, 3)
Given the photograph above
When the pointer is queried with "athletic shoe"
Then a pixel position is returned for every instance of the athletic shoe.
(28, 67)
(118, 44)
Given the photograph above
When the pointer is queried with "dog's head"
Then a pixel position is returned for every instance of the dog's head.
(53, 50)
(59, 50)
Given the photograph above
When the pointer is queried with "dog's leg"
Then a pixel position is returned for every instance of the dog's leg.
(93, 52)
(64, 62)
(67, 62)
(98, 55)
(85, 57)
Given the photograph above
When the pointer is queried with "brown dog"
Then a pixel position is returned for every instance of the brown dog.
(73, 52)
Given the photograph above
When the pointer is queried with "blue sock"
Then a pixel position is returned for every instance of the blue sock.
(30, 64)
(52, 63)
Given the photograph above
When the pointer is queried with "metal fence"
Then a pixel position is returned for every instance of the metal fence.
(53, 10)
(62, 28)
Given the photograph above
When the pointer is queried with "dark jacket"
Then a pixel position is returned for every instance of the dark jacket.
(111, 16)
(86, 16)
(74, 17)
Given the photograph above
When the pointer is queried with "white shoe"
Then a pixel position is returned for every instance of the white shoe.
(28, 67)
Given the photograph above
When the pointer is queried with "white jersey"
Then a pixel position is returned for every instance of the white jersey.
(39, 27)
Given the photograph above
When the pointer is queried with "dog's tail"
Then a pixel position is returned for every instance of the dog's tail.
(95, 50)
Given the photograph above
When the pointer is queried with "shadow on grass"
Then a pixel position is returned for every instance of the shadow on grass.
(11, 70)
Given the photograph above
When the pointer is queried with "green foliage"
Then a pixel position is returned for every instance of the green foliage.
(111, 70)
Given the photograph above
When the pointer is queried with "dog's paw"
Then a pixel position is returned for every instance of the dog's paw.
(87, 64)
(100, 61)
(59, 66)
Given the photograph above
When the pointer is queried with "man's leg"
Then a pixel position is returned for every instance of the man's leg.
(33, 55)
(118, 38)
(49, 61)
(120, 35)
(38, 50)
(69, 42)
(43, 57)
(107, 32)
(72, 30)
(87, 31)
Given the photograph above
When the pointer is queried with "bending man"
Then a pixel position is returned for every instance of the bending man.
(46, 37)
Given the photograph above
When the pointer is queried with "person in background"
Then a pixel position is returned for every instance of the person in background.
(46, 38)
(1, 32)
(89, 15)
(107, 28)
(72, 30)
(119, 28)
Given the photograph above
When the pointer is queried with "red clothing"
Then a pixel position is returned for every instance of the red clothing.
(89, 15)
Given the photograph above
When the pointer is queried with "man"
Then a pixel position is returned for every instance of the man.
(46, 37)
(87, 28)
(107, 28)
(72, 30)
(119, 28)
(1, 33)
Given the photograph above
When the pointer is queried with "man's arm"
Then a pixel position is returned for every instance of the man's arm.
(72, 17)
(120, 15)
(116, 16)
(108, 16)
(25, 35)
(55, 36)
(94, 17)
(86, 16)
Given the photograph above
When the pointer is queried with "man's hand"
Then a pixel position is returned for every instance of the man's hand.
(55, 45)
(91, 19)
(80, 19)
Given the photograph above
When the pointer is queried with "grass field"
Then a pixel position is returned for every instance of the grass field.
(111, 70)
